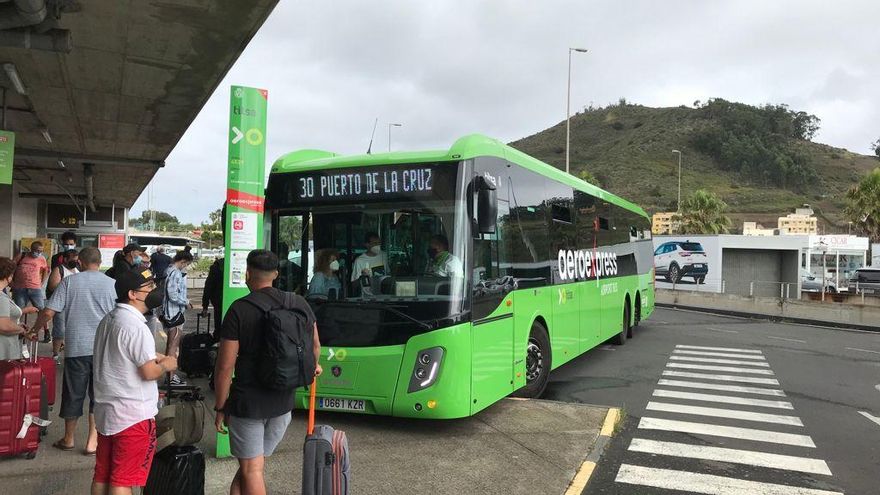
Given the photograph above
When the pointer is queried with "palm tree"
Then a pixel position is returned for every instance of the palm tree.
(863, 205)
(703, 213)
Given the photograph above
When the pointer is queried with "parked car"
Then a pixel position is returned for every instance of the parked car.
(812, 283)
(675, 260)
(865, 280)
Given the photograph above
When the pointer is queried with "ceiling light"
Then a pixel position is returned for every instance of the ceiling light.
(46, 135)
(12, 74)
(61, 164)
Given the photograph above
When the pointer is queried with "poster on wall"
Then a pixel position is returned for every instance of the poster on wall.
(108, 244)
(687, 263)
(7, 154)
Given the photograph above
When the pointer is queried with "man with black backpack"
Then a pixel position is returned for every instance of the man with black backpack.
(270, 339)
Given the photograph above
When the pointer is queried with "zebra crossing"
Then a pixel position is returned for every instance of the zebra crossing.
(718, 423)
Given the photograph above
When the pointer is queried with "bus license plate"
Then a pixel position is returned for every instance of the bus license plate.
(340, 404)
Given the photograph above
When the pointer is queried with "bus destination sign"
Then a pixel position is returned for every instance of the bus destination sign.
(365, 184)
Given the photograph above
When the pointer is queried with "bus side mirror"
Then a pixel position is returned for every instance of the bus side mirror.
(487, 206)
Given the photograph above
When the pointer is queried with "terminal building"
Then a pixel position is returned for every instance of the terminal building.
(93, 98)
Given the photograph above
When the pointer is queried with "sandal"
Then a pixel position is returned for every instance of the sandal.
(89, 452)
(60, 446)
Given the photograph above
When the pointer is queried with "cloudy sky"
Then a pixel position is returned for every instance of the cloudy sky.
(449, 68)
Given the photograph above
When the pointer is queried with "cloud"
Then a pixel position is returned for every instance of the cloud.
(445, 69)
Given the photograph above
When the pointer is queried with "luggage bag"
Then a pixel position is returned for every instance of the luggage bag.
(47, 364)
(326, 466)
(22, 402)
(177, 471)
(197, 350)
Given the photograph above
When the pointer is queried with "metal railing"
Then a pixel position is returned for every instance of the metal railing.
(770, 289)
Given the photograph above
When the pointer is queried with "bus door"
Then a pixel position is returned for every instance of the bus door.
(587, 239)
(565, 292)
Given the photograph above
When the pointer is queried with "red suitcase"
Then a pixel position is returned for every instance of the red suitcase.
(21, 384)
(47, 364)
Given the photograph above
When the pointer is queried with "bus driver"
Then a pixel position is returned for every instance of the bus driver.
(441, 262)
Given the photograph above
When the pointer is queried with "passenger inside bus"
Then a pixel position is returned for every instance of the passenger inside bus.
(325, 282)
(441, 262)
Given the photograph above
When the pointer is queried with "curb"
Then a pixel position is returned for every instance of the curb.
(774, 318)
(582, 476)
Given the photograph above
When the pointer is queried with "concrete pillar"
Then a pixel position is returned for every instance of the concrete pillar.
(18, 218)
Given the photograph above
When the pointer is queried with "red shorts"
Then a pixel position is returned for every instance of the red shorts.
(124, 459)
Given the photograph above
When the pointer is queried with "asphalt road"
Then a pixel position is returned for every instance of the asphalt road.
(775, 404)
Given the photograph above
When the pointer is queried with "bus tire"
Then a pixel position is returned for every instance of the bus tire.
(538, 363)
(638, 308)
(620, 338)
(628, 320)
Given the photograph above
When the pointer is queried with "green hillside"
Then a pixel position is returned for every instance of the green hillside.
(628, 148)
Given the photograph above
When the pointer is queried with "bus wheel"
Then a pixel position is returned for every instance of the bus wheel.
(638, 310)
(538, 359)
(620, 338)
(628, 321)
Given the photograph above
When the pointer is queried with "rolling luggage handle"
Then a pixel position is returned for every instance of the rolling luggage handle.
(30, 419)
(310, 429)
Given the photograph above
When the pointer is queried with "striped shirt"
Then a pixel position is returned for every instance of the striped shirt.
(82, 299)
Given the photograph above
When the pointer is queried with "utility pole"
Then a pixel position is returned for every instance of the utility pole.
(568, 108)
(678, 204)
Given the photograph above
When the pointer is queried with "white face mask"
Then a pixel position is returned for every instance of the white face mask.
(334, 265)
(375, 249)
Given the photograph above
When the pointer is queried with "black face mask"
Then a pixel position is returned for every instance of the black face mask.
(72, 264)
(154, 298)
(432, 253)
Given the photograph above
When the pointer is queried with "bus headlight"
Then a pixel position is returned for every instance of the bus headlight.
(426, 369)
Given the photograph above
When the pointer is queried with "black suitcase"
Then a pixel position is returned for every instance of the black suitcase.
(326, 465)
(177, 471)
(197, 350)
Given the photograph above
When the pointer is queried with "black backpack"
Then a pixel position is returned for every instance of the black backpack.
(287, 358)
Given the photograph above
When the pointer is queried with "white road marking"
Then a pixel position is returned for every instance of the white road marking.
(722, 349)
(717, 361)
(726, 399)
(726, 378)
(762, 459)
(861, 350)
(706, 483)
(787, 340)
(716, 412)
(870, 417)
(727, 432)
(718, 386)
(729, 369)
(721, 330)
(607, 348)
(719, 354)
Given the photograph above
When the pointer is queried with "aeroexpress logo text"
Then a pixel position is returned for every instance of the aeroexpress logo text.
(585, 264)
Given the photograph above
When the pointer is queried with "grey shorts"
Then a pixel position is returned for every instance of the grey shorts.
(250, 438)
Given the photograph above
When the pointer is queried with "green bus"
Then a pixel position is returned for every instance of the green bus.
(487, 269)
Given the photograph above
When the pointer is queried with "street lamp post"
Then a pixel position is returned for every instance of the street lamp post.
(568, 107)
(390, 125)
(678, 205)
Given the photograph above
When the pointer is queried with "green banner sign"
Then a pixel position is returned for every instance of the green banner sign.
(7, 152)
(245, 187)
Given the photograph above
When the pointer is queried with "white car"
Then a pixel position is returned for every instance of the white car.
(675, 260)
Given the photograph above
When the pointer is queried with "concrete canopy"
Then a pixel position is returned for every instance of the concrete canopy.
(134, 79)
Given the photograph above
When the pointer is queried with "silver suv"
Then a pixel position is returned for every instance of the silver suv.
(865, 280)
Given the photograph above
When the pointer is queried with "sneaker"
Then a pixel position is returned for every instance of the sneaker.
(57, 359)
(176, 381)
(47, 339)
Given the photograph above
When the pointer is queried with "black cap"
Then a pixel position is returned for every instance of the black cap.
(132, 247)
(131, 280)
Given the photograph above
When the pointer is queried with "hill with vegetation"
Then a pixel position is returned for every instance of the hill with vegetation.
(759, 160)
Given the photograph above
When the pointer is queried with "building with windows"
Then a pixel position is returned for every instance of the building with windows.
(662, 223)
(801, 221)
(756, 229)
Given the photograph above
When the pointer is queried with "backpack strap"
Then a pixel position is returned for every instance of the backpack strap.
(265, 302)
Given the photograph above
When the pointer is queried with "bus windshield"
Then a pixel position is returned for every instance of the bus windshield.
(377, 273)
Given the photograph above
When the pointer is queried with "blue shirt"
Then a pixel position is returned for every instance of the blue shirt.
(82, 300)
(321, 284)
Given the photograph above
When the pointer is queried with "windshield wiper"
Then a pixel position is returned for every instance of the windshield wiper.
(390, 309)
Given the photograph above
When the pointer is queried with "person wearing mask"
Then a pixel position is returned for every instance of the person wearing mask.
(325, 278)
(256, 416)
(68, 243)
(11, 330)
(213, 295)
(69, 266)
(30, 277)
(131, 258)
(159, 263)
(126, 396)
(372, 261)
(441, 262)
(175, 304)
(81, 300)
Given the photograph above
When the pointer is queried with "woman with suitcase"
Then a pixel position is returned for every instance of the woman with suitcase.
(175, 304)
(11, 329)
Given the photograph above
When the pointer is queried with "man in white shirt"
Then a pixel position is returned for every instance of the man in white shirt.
(126, 396)
(372, 261)
(441, 262)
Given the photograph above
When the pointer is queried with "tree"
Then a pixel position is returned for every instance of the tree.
(703, 213)
(876, 147)
(587, 176)
(863, 205)
(212, 231)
